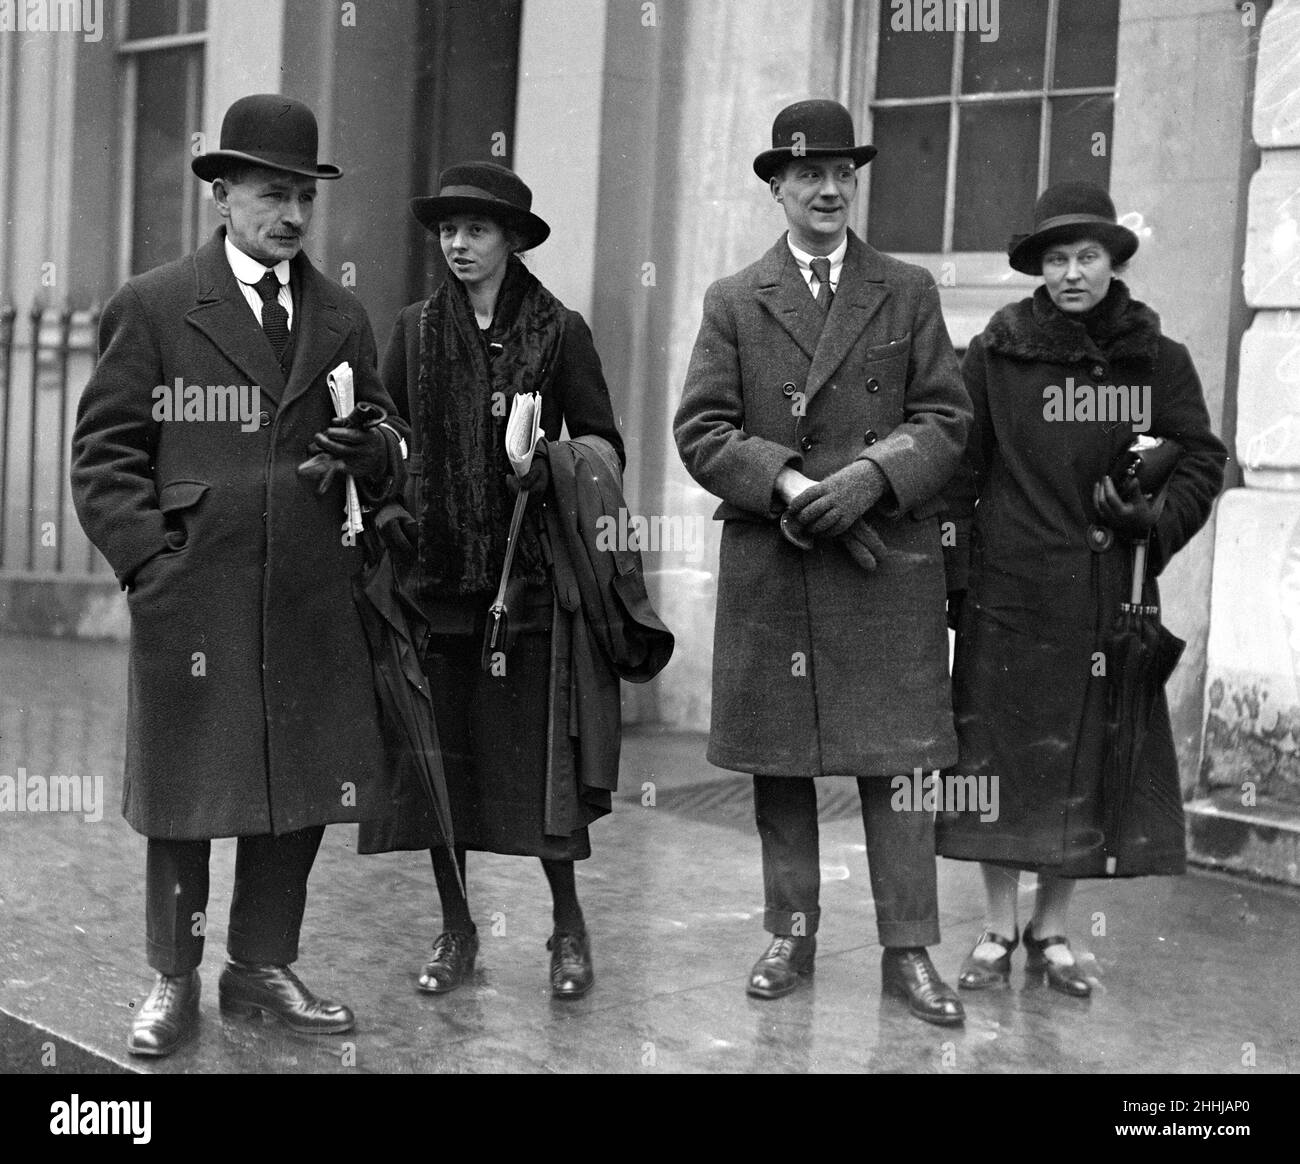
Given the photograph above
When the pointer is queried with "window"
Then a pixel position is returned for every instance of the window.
(971, 131)
(163, 50)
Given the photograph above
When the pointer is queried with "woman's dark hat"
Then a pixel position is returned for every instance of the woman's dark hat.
(1071, 210)
(483, 188)
(270, 130)
(811, 129)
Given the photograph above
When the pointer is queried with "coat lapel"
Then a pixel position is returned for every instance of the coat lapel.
(221, 313)
(862, 292)
(783, 292)
(321, 331)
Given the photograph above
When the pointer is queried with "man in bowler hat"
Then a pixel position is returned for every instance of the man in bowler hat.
(251, 710)
(824, 406)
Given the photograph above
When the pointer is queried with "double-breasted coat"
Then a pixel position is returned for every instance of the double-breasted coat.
(820, 668)
(251, 708)
(1044, 579)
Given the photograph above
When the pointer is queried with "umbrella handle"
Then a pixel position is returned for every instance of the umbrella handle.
(516, 520)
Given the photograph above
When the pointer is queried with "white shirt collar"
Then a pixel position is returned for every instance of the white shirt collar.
(804, 259)
(248, 270)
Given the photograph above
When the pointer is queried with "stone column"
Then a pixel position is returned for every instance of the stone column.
(1247, 815)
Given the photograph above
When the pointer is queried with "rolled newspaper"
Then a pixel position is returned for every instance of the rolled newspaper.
(523, 431)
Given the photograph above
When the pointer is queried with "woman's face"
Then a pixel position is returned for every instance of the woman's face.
(476, 248)
(1077, 274)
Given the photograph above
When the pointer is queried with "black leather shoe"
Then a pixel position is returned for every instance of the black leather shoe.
(1067, 979)
(910, 975)
(246, 989)
(783, 963)
(451, 962)
(977, 974)
(571, 971)
(168, 1017)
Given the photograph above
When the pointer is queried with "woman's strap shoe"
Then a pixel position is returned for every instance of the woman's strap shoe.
(980, 974)
(1067, 977)
(572, 974)
(450, 963)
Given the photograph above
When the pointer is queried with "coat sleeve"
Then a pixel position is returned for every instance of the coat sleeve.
(710, 423)
(921, 454)
(583, 392)
(115, 438)
(370, 387)
(1182, 416)
(967, 483)
(393, 370)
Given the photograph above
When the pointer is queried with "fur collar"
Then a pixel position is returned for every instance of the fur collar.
(1036, 329)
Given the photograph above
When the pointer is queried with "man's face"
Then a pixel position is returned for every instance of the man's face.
(267, 212)
(816, 194)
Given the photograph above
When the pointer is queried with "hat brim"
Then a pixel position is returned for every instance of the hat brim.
(431, 211)
(210, 166)
(1025, 251)
(769, 161)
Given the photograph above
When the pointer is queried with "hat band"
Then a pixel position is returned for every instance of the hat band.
(1073, 220)
(476, 192)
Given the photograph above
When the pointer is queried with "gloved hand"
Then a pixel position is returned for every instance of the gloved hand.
(1132, 514)
(362, 451)
(398, 528)
(538, 476)
(864, 544)
(829, 507)
(322, 467)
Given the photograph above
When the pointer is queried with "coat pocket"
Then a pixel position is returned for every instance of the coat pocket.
(895, 348)
(177, 499)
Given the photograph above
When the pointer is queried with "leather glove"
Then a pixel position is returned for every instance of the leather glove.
(322, 467)
(1132, 514)
(829, 507)
(362, 451)
(538, 476)
(864, 544)
(398, 528)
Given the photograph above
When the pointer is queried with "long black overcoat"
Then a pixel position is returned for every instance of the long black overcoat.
(251, 708)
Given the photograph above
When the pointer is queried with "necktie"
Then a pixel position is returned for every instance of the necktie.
(275, 320)
(821, 269)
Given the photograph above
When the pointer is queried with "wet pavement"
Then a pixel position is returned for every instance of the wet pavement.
(1193, 974)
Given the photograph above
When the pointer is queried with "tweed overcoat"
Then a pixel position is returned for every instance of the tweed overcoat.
(820, 668)
(251, 708)
(1043, 588)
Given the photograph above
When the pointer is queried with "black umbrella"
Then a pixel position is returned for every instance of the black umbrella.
(1140, 656)
(395, 630)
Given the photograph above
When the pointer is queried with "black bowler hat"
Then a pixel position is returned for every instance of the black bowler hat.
(483, 188)
(811, 129)
(269, 130)
(1071, 211)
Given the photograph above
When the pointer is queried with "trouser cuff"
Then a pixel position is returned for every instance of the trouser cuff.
(900, 935)
(784, 923)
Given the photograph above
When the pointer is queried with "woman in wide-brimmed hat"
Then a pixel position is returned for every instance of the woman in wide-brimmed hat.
(454, 364)
(1061, 382)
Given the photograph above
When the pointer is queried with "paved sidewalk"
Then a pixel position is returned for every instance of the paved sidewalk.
(1195, 974)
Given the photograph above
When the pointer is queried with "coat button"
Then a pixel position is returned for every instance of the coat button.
(1099, 369)
(873, 385)
(869, 436)
(264, 419)
(1100, 539)
(787, 389)
(806, 443)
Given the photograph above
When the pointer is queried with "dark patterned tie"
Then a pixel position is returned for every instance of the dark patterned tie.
(275, 319)
(821, 269)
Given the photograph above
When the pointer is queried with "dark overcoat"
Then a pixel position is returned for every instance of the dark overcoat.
(251, 708)
(820, 668)
(1044, 583)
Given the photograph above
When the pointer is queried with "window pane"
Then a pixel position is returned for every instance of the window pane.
(997, 173)
(912, 64)
(196, 15)
(1085, 43)
(1013, 61)
(164, 188)
(907, 179)
(1075, 121)
(146, 18)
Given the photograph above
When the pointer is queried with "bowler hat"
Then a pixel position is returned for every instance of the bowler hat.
(811, 129)
(1071, 210)
(483, 188)
(270, 130)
